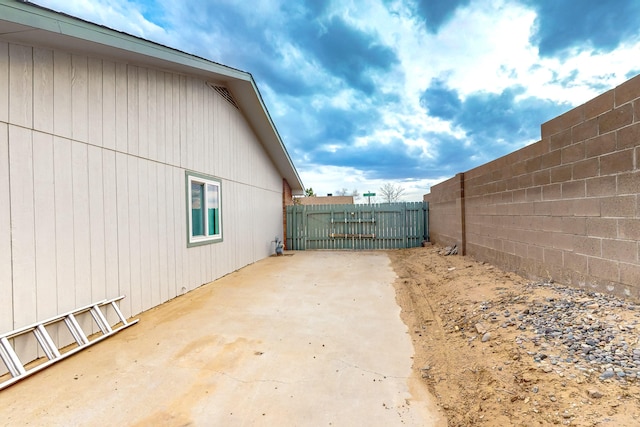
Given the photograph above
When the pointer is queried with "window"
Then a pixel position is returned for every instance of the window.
(203, 209)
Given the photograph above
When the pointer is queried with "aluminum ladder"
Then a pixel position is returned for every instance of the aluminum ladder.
(18, 370)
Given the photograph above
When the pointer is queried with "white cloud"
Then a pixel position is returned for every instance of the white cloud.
(329, 179)
(120, 15)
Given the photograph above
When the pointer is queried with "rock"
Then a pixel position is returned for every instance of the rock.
(607, 374)
(594, 394)
(481, 328)
(486, 337)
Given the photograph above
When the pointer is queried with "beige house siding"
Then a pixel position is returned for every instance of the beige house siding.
(93, 154)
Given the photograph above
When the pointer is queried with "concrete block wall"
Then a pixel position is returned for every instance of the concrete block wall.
(565, 208)
(446, 212)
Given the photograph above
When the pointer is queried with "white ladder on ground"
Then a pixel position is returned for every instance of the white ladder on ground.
(18, 370)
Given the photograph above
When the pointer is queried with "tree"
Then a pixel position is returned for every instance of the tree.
(308, 192)
(391, 193)
(345, 192)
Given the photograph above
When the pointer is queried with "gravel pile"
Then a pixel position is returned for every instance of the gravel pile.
(594, 333)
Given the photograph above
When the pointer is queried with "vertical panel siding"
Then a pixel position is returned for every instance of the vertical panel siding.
(181, 119)
(175, 109)
(62, 123)
(146, 217)
(223, 131)
(194, 143)
(179, 232)
(168, 195)
(208, 110)
(111, 231)
(197, 137)
(43, 90)
(121, 108)
(97, 224)
(22, 232)
(152, 118)
(95, 101)
(6, 289)
(20, 85)
(133, 176)
(81, 225)
(124, 230)
(65, 260)
(162, 243)
(159, 119)
(4, 82)
(108, 105)
(165, 114)
(133, 110)
(45, 226)
(46, 301)
(153, 214)
(79, 98)
(143, 112)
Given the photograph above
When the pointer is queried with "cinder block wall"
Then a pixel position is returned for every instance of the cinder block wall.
(446, 214)
(565, 208)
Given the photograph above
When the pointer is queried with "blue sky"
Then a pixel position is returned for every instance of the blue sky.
(365, 92)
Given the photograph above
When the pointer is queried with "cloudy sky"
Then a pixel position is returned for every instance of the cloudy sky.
(365, 92)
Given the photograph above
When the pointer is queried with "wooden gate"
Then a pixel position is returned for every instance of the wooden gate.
(376, 226)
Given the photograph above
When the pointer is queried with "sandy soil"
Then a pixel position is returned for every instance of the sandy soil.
(497, 382)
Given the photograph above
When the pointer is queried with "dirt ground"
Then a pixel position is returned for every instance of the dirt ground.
(496, 382)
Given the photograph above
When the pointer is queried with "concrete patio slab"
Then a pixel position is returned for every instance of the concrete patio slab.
(313, 338)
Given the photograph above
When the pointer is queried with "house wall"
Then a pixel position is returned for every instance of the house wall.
(566, 207)
(325, 200)
(93, 156)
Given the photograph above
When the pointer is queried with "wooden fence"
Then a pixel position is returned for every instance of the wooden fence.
(376, 226)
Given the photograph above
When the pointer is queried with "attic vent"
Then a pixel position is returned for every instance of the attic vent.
(224, 92)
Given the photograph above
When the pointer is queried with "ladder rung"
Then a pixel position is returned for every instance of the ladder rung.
(10, 358)
(46, 342)
(75, 329)
(102, 323)
(118, 312)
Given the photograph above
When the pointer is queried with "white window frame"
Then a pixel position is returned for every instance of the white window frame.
(204, 180)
